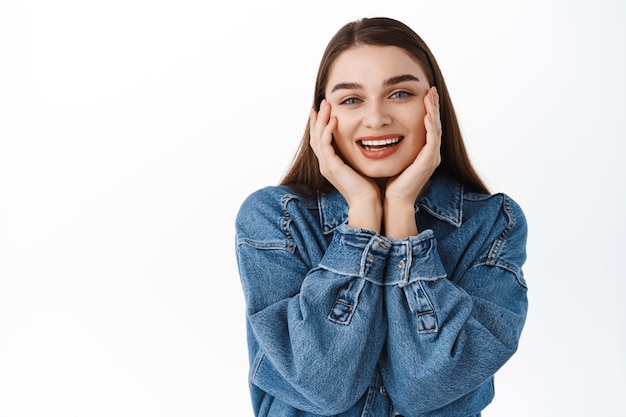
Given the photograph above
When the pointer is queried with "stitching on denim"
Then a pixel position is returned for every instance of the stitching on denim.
(422, 307)
(347, 296)
(256, 364)
(364, 256)
(424, 313)
(344, 303)
(285, 222)
(472, 196)
(406, 273)
(492, 257)
(512, 268)
(265, 244)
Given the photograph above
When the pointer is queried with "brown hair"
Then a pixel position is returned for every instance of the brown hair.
(304, 174)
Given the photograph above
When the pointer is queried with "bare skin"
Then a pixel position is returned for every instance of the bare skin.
(384, 204)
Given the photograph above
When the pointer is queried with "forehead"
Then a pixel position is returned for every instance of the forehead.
(373, 64)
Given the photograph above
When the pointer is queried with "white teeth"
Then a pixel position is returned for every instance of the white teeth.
(381, 142)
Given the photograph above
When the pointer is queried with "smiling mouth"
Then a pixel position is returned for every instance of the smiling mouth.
(380, 144)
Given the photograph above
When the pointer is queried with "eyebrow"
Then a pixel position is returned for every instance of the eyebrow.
(391, 81)
(347, 86)
(400, 78)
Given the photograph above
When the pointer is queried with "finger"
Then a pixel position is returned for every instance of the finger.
(318, 120)
(431, 152)
(432, 120)
(321, 129)
(312, 120)
(314, 129)
(325, 147)
(431, 102)
(323, 118)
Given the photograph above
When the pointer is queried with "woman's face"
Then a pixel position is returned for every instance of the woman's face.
(377, 95)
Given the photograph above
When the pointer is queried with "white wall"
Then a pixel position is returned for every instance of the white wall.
(130, 132)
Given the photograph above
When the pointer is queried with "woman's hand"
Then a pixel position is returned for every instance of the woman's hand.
(362, 194)
(403, 190)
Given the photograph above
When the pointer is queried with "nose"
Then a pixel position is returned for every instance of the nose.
(377, 115)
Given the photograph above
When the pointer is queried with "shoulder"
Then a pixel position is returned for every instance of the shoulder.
(498, 206)
(267, 201)
(267, 196)
(504, 219)
(266, 208)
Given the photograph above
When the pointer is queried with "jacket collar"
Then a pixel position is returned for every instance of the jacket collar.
(443, 200)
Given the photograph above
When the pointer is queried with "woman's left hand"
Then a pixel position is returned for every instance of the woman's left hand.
(402, 191)
(408, 185)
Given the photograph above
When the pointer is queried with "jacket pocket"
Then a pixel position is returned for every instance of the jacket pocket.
(421, 306)
(346, 301)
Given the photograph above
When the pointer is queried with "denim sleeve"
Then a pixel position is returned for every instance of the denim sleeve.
(447, 337)
(315, 331)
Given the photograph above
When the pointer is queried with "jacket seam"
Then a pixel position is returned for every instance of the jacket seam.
(266, 244)
(496, 248)
(507, 267)
(257, 364)
(285, 222)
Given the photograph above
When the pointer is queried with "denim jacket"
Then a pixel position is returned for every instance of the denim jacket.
(347, 322)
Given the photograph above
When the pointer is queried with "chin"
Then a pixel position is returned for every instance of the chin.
(381, 173)
(387, 168)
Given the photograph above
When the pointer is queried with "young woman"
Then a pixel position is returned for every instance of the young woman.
(381, 277)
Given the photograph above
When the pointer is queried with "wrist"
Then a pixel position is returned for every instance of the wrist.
(366, 215)
(399, 219)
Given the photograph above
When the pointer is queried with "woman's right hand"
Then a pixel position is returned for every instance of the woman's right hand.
(362, 194)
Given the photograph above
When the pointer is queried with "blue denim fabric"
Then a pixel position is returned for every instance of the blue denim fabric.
(344, 321)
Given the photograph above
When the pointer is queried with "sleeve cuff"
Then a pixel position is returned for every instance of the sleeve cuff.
(425, 262)
(358, 253)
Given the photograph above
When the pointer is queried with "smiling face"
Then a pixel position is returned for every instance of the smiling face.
(377, 95)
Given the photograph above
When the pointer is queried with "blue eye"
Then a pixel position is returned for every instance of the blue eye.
(351, 100)
(401, 94)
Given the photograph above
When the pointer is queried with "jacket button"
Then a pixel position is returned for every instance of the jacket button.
(383, 390)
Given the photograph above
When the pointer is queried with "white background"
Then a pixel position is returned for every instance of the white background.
(130, 132)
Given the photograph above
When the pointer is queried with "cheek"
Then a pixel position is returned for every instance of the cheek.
(414, 123)
(418, 133)
(420, 129)
(418, 121)
(343, 120)
(343, 131)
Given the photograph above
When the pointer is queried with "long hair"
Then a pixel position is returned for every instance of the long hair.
(304, 174)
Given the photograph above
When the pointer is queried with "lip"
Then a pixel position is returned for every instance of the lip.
(380, 153)
(379, 137)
